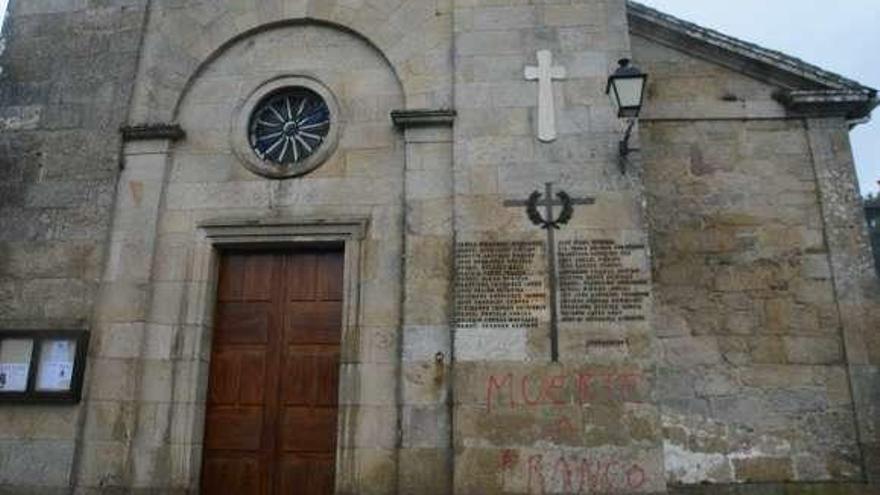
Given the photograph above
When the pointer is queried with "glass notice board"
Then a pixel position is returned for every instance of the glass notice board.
(42, 366)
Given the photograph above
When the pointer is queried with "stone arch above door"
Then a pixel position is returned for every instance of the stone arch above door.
(414, 37)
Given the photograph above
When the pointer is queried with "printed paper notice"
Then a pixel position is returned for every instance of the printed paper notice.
(55, 376)
(56, 365)
(15, 362)
(13, 377)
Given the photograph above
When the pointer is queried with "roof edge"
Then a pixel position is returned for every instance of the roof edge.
(804, 88)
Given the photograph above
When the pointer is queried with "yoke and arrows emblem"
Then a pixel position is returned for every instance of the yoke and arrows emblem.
(551, 223)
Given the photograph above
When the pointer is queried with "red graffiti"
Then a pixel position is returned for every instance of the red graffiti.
(560, 390)
(526, 380)
(536, 473)
(563, 470)
(494, 385)
(562, 426)
(635, 477)
(574, 474)
(554, 389)
(509, 458)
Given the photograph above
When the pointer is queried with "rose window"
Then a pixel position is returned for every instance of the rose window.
(289, 126)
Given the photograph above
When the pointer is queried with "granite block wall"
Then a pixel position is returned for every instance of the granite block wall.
(66, 78)
(755, 383)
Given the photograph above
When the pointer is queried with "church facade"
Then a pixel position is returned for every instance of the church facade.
(388, 246)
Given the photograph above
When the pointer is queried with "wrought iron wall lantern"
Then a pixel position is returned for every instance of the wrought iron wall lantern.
(627, 86)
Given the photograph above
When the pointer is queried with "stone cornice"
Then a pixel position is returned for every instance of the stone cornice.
(423, 117)
(268, 231)
(146, 132)
(852, 104)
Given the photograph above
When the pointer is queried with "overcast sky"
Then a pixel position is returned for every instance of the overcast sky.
(2, 12)
(843, 37)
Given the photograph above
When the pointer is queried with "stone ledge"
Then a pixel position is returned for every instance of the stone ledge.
(423, 117)
(146, 132)
(778, 489)
(853, 104)
(231, 232)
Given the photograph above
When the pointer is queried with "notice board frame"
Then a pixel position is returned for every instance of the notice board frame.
(33, 396)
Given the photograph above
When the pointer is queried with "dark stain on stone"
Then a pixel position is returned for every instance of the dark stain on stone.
(698, 164)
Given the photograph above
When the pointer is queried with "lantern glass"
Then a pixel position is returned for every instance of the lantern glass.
(628, 84)
(629, 91)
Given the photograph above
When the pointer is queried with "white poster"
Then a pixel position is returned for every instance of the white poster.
(59, 350)
(13, 377)
(56, 365)
(55, 376)
(15, 361)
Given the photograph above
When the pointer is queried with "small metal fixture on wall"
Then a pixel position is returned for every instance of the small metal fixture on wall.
(627, 85)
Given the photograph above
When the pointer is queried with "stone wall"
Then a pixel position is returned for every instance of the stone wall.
(748, 356)
(872, 214)
(523, 423)
(753, 383)
(66, 78)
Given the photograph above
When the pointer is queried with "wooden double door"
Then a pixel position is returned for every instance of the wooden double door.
(271, 416)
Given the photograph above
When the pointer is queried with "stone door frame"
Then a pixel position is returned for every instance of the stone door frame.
(276, 233)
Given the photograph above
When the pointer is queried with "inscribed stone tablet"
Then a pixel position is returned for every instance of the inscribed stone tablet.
(600, 282)
(500, 285)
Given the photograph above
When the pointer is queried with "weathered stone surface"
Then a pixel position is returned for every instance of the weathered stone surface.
(67, 72)
(38, 463)
(749, 366)
(741, 272)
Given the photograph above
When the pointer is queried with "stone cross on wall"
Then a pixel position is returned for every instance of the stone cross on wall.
(545, 73)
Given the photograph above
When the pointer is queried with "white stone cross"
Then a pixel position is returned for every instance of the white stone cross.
(545, 73)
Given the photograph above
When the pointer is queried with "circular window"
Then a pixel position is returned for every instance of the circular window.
(286, 127)
(289, 126)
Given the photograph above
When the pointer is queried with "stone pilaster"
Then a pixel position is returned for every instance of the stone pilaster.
(856, 286)
(115, 377)
(425, 444)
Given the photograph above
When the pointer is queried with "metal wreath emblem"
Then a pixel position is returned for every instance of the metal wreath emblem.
(536, 218)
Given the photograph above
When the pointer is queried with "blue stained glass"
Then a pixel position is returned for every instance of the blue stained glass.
(289, 126)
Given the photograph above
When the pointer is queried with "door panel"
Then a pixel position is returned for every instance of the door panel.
(240, 474)
(315, 474)
(271, 419)
(315, 322)
(235, 428)
(229, 369)
(243, 323)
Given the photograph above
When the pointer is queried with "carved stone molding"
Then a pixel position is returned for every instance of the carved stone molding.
(423, 117)
(146, 132)
(853, 104)
(233, 232)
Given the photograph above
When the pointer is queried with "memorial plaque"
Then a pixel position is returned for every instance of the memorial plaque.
(499, 284)
(599, 283)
